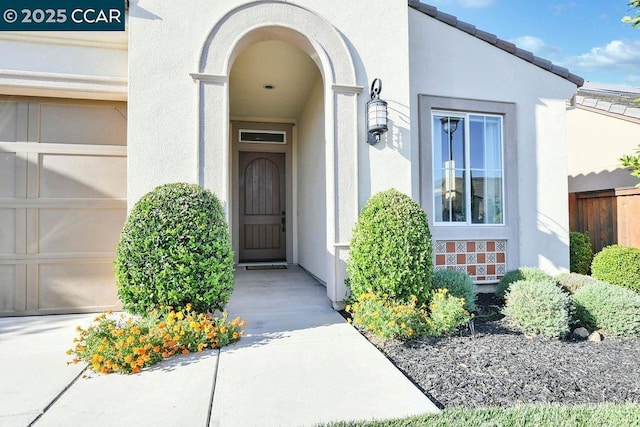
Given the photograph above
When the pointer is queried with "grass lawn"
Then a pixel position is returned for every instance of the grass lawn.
(605, 415)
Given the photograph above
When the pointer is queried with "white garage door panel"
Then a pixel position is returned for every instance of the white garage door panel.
(7, 231)
(63, 190)
(7, 174)
(83, 176)
(69, 287)
(91, 125)
(8, 121)
(7, 288)
(80, 230)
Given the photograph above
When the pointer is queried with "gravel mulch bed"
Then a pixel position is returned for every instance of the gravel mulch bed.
(498, 366)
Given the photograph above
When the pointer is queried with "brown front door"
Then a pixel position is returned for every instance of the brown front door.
(262, 207)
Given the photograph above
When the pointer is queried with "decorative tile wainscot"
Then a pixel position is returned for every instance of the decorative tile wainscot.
(484, 260)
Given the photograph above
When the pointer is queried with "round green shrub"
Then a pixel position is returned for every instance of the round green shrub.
(390, 251)
(538, 308)
(571, 282)
(175, 249)
(613, 309)
(459, 284)
(619, 265)
(580, 252)
(523, 273)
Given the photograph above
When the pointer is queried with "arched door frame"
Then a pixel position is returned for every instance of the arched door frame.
(305, 29)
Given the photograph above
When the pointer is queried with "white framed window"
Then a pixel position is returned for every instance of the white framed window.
(487, 144)
(468, 168)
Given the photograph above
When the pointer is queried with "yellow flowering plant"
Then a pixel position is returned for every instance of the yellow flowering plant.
(128, 343)
(446, 312)
(388, 318)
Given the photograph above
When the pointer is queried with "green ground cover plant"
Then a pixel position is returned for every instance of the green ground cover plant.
(538, 308)
(571, 282)
(611, 308)
(523, 273)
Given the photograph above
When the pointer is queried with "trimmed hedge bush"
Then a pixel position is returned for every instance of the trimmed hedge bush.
(459, 284)
(175, 249)
(538, 308)
(523, 273)
(390, 251)
(571, 282)
(619, 265)
(580, 252)
(613, 309)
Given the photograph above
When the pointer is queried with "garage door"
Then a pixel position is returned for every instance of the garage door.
(62, 204)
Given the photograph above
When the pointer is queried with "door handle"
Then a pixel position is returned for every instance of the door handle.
(284, 221)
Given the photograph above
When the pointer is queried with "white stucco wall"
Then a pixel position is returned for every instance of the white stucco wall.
(163, 104)
(448, 62)
(311, 186)
(163, 98)
(596, 142)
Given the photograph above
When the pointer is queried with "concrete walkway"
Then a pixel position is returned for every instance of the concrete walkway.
(300, 364)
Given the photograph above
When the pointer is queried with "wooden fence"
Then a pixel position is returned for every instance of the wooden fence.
(609, 216)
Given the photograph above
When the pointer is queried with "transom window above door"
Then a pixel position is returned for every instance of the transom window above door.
(262, 136)
(468, 168)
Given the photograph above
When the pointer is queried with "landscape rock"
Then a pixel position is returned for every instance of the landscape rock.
(581, 332)
(596, 336)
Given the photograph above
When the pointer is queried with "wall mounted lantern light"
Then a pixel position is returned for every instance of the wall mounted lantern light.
(376, 114)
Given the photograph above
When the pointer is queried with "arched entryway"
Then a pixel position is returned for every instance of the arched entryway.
(277, 152)
(328, 111)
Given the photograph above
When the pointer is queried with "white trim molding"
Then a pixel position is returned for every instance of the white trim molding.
(347, 89)
(210, 78)
(104, 40)
(34, 83)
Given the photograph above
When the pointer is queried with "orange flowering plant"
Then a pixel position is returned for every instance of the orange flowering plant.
(127, 344)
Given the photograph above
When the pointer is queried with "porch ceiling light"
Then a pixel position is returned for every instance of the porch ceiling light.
(376, 114)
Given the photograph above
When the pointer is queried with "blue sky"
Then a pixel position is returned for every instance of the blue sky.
(586, 36)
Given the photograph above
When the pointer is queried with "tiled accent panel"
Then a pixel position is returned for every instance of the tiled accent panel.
(484, 260)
